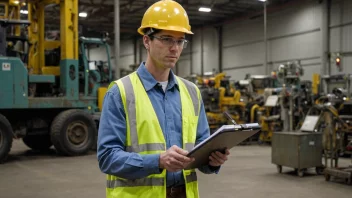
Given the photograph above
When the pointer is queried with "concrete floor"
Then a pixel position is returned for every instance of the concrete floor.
(248, 173)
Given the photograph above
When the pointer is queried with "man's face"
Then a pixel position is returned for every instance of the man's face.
(165, 48)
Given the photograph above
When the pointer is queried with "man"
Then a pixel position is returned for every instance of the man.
(152, 118)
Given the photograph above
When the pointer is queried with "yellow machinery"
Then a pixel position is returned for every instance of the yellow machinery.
(219, 96)
(10, 10)
(9, 15)
(269, 117)
(258, 108)
(68, 42)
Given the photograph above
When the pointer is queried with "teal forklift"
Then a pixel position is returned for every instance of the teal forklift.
(49, 96)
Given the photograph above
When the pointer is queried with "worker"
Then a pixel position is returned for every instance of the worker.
(151, 118)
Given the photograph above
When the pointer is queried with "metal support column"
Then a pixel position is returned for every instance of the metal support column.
(117, 37)
(201, 51)
(265, 41)
(220, 48)
(325, 32)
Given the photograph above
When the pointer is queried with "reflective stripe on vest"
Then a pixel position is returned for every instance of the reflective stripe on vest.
(192, 177)
(136, 182)
(189, 146)
(145, 181)
(193, 93)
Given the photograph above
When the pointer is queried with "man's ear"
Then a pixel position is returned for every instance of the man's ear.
(146, 41)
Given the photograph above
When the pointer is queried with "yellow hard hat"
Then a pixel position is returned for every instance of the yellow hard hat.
(166, 15)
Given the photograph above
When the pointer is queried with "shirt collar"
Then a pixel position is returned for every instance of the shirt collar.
(149, 81)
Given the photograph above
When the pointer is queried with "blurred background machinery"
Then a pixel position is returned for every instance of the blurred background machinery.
(51, 93)
(219, 95)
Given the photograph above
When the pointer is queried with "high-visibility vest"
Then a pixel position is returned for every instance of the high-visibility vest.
(144, 136)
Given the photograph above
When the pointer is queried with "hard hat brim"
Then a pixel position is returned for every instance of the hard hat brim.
(170, 28)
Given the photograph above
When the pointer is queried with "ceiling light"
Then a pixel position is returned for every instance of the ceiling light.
(204, 9)
(262, 0)
(82, 14)
(24, 11)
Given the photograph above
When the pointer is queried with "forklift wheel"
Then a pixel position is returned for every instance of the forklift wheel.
(73, 132)
(5, 138)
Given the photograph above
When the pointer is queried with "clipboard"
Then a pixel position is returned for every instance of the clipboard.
(226, 136)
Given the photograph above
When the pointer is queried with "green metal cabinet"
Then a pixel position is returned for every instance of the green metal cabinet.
(14, 83)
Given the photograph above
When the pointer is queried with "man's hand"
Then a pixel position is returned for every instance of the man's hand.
(217, 158)
(174, 159)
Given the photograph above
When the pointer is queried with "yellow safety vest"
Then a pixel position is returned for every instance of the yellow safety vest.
(141, 119)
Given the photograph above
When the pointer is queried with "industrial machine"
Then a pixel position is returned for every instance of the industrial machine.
(331, 117)
(257, 85)
(337, 124)
(295, 95)
(219, 95)
(286, 101)
(50, 95)
(336, 99)
(264, 107)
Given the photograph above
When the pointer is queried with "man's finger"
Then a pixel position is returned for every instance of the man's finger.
(182, 158)
(221, 156)
(176, 163)
(217, 158)
(213, 161)
(180, 150)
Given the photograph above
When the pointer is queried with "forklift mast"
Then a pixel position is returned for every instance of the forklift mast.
(67, 69)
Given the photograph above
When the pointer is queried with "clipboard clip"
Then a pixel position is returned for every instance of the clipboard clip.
(242, 126)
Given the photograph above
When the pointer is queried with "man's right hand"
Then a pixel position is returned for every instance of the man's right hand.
(174, 159)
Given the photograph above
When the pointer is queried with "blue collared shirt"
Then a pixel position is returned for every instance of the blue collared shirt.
(111, 153)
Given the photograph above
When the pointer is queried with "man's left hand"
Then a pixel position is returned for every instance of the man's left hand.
(217, 158)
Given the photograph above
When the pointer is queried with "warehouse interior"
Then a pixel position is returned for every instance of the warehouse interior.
(285, 65)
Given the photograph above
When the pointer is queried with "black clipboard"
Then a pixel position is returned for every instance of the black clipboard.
(226, 136)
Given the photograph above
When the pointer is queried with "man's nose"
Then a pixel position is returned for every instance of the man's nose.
(174, 46)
